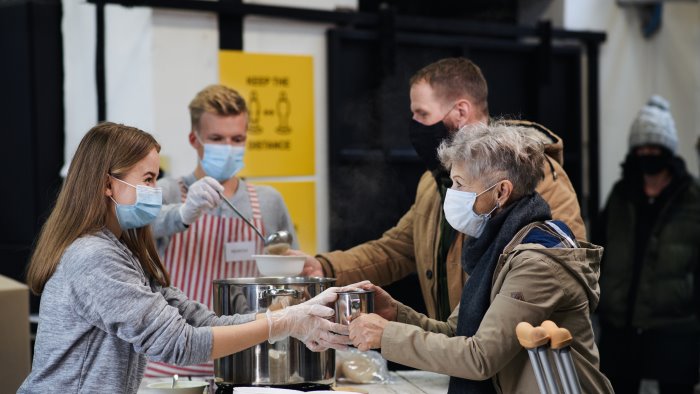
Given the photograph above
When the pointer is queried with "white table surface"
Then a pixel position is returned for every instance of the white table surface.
(411, 382)
(403, 382)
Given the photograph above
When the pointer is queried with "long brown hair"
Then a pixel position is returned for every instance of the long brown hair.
(82, 207)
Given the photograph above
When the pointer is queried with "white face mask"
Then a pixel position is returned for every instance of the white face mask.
(459, 212)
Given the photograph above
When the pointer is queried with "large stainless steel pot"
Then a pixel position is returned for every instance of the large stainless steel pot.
(284, 362)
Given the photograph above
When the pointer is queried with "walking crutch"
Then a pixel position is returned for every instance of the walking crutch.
(560, 341)
(535, 339)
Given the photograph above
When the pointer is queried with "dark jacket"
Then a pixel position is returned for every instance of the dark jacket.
(658, 289)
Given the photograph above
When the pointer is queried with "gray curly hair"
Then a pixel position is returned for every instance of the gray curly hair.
(496, 152)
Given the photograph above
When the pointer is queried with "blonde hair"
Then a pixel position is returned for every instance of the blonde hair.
(495, 152)
(217, 99)
(81, 207)
(455, 78)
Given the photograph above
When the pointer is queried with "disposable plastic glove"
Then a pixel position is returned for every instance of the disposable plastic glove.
(308, 324)
(329, 295)
(202, 195)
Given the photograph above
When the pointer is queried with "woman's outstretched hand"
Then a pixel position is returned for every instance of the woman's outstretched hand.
(366, 331)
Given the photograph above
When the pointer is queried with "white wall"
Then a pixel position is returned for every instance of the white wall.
(78, 27)
(128, 69)
(180, 71)
(632, 68)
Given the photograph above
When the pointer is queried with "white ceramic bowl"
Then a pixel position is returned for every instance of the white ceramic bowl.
(275, 265)
(182, 387)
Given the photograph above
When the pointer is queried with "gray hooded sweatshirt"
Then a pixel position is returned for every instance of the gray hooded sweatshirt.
(101, 316)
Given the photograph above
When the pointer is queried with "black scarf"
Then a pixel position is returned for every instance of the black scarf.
(479, 258)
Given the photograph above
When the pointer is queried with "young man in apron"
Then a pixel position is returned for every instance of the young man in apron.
(200, 238)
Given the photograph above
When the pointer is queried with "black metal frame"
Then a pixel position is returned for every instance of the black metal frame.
(32, 108)
(397, 153)
(231, 13)
(355, 18)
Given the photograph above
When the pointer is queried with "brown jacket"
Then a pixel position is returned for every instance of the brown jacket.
(531, 283)
(411, 245)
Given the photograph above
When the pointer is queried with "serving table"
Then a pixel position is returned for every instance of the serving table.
(400, 382)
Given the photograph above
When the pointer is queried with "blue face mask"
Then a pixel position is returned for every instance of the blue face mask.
(143, 211)
(221, 161)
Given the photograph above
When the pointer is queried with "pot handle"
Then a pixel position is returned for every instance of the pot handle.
(355, 306)
(279, 293)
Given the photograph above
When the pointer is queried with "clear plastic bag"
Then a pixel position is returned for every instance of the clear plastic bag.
(354, 366)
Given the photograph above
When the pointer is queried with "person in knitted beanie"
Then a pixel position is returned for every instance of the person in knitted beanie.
(650, 272)
(653, 139)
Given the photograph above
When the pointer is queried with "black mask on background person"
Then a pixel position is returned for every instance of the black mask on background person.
(426, 139)
(652, 164)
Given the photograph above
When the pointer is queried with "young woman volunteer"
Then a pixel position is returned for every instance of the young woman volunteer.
(106, 302)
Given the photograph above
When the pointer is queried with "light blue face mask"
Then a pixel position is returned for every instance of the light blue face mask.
(221, 161)
(459, 212)
(143, 211)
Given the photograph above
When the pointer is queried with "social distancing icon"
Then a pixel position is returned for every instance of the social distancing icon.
(283, 110)
(279, 93)
(254, 113)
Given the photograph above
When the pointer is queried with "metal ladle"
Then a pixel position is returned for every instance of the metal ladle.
(275, 243)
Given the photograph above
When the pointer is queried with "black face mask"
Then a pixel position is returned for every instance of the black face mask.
(426, 139)
(652, 164)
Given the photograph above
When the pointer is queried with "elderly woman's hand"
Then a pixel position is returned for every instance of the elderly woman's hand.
(366, 331)
(384, 305)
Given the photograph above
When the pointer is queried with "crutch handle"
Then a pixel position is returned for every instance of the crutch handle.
(530, 337)
(559, 337)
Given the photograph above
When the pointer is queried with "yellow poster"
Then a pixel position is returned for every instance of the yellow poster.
(278, 90)
(300, 198)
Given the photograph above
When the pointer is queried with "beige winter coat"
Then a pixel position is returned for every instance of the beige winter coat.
(411, 245)
(531, 283)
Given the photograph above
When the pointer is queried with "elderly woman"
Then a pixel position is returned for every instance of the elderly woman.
(521, 265)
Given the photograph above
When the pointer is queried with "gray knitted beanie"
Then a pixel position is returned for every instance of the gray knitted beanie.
(654, 125)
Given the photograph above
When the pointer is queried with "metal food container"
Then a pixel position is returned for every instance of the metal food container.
(351, 303)
(285, 362)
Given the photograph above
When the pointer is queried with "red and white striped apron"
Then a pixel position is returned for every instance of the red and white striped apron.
(195, 257)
